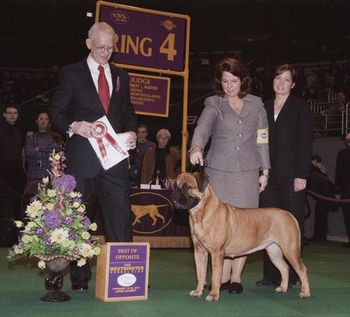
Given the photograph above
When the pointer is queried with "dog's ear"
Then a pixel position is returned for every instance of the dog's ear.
(202, 179)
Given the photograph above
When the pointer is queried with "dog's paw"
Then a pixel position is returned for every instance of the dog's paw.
(195, 293)
(212, 298)
(304, 295)
(281, 289)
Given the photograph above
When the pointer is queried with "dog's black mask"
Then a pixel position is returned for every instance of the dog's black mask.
(181, 198)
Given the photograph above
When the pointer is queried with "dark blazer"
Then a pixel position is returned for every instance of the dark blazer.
(290, 138)
(76, 99)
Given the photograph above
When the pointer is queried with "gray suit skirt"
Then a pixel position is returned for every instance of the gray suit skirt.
(239, 189)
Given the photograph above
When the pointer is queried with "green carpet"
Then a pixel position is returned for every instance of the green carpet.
(172, 276)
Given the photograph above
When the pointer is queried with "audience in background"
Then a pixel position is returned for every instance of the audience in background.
(320, 184)
(38, 147)
(342, 180)
(159, 162)
(12, 179)
(136, 155)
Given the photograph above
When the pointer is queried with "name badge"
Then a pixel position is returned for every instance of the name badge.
(262, 136)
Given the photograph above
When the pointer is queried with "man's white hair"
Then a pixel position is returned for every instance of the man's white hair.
(100, 27)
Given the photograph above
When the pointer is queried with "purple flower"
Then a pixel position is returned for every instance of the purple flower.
(52, 219)
(68, 220)
(72, 236)
(20, 245)
(86, 223)
(66, 183)
(76, 250)
(39, 232)
(48, 242)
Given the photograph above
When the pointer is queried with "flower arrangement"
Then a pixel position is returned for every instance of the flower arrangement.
(56, 224)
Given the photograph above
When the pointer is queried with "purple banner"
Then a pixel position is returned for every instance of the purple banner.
(128, 270)
(150, 94)
(146, 38)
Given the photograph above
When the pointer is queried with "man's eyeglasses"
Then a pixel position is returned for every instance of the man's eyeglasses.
(102, 49)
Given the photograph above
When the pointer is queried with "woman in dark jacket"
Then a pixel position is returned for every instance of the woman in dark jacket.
(290, 146)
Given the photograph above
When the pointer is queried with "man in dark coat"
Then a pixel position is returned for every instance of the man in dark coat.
(87, 91)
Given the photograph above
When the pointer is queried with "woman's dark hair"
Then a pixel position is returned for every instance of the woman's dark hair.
(236, 68)
(286, 67)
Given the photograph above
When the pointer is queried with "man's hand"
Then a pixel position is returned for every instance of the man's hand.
(299, 184)
(82, 128)
(131, 140)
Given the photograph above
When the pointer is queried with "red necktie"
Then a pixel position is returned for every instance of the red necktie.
(103, 88)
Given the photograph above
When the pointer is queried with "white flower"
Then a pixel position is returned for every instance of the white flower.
(41, 264)
(69, 211)
(34, 209)
(93, 227)
(30, 225)
(76, 204)
(85, 235)
(19, 224)
(86, 251)
(66, 243)
(81, 262)
(81, 208)
(26, 238)
(45, 180)
(51, 193)
(97, 250)
(50, 206)
(58, 235)
(57, 157)
(73, 194)
(18, 250)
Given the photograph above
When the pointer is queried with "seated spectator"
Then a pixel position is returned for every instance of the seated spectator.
(136, 155)
(160, 161)
(320, 184)
(38, 147)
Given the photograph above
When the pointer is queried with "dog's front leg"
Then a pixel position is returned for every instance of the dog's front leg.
(217, 259)
(201, 260)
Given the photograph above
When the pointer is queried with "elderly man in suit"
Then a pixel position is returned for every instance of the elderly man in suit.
(87, 91)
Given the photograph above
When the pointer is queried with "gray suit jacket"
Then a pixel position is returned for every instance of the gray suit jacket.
(234, 146)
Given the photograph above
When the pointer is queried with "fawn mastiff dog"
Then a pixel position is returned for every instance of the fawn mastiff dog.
(223, 230)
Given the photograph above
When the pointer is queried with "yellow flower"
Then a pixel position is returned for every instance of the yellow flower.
(19, 224)
(58, 236)
(81, 262)
(93, 227)
(41, 264)
(45, 180)
(57, 157)
(51, 193)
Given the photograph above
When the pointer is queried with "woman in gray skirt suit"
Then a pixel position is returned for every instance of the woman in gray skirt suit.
(237, 125)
